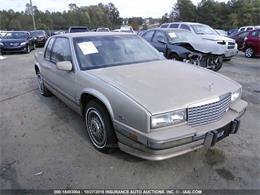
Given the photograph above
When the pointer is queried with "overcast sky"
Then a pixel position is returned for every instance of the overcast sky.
(127, 8)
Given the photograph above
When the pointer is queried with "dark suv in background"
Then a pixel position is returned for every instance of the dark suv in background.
(75, 29)
(251, 45)
(40, 37)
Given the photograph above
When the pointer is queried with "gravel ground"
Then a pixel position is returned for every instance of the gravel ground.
(44, 146)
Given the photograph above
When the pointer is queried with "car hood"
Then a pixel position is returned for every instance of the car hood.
(206, 46)
(216, 38)
(13, 40)
(166, 85)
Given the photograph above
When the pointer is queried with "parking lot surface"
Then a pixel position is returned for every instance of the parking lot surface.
(44, 145)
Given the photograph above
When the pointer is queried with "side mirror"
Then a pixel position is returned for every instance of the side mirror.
(65, 65)
(161, 40)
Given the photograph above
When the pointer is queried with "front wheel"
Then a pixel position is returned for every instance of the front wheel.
(28, 49)
(99, 127)
(249, 53)
(218, 62)
(34, 46)
(43, 90)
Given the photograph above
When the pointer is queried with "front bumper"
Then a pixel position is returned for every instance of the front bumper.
(171, 142)
(13, 49)
(230, 53)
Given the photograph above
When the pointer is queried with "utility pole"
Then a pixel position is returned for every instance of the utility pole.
(32, 12)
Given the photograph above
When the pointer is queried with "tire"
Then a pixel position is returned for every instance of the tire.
(249, 52)
(99, 127)
(226, 59)
(43, 90)
(174, 56)
(28, 49)
(218, 64)
(34, 46)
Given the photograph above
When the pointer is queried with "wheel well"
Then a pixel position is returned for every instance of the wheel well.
(36, 69)
(85, 98)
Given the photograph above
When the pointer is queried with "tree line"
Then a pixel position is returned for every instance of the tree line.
(223, 15)
(101, 15)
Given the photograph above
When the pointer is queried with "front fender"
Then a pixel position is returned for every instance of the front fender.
(101, 97)
(180, 51)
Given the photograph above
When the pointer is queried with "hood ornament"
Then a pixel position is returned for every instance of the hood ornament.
(211, 86)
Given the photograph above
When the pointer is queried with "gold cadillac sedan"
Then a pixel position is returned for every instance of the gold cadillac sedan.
(132, 98)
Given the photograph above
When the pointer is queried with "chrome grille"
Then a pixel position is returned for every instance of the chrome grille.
(208, 113)
(231, 45)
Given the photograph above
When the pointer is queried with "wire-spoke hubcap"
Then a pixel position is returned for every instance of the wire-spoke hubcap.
(96, 127)
(40, 83)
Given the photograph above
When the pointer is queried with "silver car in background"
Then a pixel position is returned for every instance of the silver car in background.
(131, 97)
(207, 33)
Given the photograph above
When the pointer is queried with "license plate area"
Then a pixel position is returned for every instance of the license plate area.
(212, 137)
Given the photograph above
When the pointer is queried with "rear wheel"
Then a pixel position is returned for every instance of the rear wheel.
(100, 128)
(249, 53)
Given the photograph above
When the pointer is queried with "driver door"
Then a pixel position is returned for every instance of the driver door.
(62, 81)
(159, 41)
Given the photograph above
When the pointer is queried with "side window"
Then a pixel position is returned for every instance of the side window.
(61, 50)
(47, 54)
(242, 29)
(164, 26)
(185, 27)
(159, 36)
(243, 34)
(174, 25)
(254, 34)
(148, 35)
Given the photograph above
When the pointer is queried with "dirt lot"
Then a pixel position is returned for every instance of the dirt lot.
(44, 146)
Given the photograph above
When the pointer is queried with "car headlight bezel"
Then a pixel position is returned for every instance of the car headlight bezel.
(168, 119)
(23, 43)
(235, 95)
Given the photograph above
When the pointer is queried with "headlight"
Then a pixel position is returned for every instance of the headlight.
(168, 119)
(236, 94)
(1, 44)
(23, 43)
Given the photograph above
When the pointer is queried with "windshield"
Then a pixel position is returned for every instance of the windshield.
(37, 33)
(106, 51)
(203, 29)
(16, 35)
(181, 36)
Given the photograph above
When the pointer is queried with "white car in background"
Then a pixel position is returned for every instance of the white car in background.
(246, 28)
(208, 33)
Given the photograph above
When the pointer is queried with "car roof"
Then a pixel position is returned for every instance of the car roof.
(90, 34)
(17, 31)
(78, 27)
(187, 23)
(169, 29)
